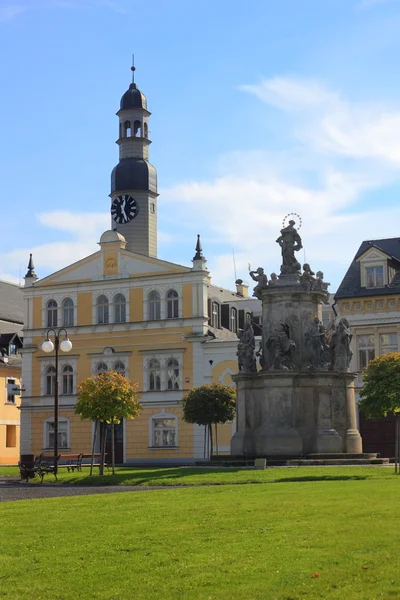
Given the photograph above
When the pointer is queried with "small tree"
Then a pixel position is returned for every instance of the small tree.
(107, 398)
(381, 392)
(209, 404)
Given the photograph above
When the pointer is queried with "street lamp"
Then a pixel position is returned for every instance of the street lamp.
(48, 346)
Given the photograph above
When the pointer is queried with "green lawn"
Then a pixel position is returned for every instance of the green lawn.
(223, 542)
(200, 475)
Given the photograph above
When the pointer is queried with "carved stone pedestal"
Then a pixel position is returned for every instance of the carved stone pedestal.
(287, 413)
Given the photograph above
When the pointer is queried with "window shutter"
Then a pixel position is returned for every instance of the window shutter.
(209, 310)
(225, 316)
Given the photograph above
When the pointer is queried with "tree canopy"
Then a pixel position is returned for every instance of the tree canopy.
(108, 397)
(208, 404)
(381, 386)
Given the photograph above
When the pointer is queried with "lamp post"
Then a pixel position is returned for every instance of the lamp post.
(48, 346)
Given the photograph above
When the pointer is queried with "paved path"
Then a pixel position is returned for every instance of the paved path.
(11, 488)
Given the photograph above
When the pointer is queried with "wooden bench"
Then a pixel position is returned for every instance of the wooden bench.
(96, 461)
(41, 466)
(70, 462)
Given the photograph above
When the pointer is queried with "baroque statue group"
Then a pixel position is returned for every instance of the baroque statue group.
(322, 348)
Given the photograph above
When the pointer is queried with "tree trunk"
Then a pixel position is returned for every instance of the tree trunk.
(211, 439)
(103, 447)
(112, 447)
(396, 445)
(216, 438)
(93, 445)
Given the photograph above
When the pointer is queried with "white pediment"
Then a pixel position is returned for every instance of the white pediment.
(129, 265)
(372, 255)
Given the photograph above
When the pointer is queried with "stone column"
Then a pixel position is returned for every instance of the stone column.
(353, 437)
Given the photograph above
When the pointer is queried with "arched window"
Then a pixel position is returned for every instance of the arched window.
(119, 308)
(215, 315)
(154, 306)
(137, 129)
(50, 381)
(52, 313)
(172, 305)
(128, 129)
(233, 323)
(154, 375)
(68, 312)
(120, 367)
(146, 130)
(67, 380)
(101, 368)
(102, 309)
(173, 374)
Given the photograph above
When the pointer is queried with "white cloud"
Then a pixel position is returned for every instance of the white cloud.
(331, 124)
(10, 11)
(346, 150)
(82, 225)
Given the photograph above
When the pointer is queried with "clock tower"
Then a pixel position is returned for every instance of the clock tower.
(134, 179)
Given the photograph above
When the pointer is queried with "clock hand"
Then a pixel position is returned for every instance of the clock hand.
(123, 209)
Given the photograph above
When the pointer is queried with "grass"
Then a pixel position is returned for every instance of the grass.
(176, 476)
(310, 540)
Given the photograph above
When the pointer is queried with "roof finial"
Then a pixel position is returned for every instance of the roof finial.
(133, 68)
(199, 250)
(31, 268)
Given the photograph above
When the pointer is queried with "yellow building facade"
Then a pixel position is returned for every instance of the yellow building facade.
(369, 297)
(161, 324)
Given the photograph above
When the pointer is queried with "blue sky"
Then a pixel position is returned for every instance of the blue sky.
(259, 109)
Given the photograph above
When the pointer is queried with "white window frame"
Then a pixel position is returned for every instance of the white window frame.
(120, 305)
(386, 348)
(163, 356)
(163, 291)
(10, 381)
(69, 376)
(376, 266)
(174, 303)
(54, 313)
(46, 432)
(59, 298)
(163, 415)
(63, 362)
(365, 349)
(70, 310)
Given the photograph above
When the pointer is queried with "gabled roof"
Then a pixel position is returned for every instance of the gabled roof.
(351, 283)
(11, 302)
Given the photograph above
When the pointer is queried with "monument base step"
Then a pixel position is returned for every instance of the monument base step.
(292, 461)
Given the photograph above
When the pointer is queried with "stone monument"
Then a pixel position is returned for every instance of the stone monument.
(301, 400)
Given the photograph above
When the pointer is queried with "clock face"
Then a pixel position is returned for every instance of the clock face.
(124, 208)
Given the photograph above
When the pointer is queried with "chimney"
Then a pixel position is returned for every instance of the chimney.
(242, 289)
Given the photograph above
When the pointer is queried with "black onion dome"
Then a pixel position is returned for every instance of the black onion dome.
(133, 98)
(134, 174)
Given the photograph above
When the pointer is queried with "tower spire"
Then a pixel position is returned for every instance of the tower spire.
(199, 249)
(31, 268)
(133, 68)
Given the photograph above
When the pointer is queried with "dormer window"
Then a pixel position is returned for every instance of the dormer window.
(374, 277)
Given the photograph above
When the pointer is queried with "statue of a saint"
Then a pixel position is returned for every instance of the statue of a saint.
(246, 347)
(280, 349)
(290, 242)
(316, 345)
(262, 281)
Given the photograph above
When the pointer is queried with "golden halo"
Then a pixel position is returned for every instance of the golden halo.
(298, 217)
